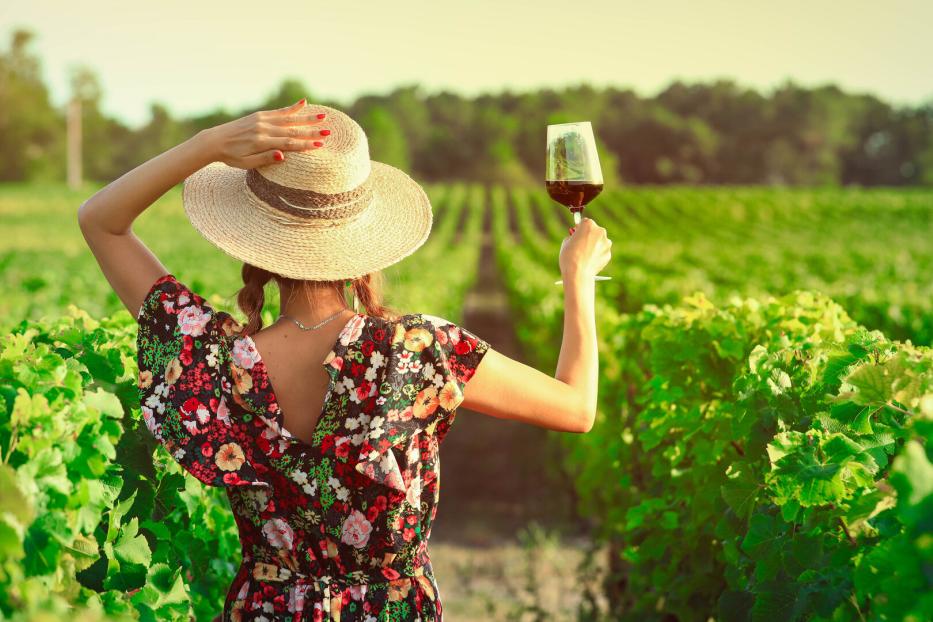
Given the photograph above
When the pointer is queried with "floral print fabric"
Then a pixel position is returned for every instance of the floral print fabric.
(334, 529)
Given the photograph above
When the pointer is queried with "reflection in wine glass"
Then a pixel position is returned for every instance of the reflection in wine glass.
(573, 177)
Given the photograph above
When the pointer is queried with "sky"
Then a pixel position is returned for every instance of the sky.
(195, 56)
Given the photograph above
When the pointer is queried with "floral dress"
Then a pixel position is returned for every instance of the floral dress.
(332, 530)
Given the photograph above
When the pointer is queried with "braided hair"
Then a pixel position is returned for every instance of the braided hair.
(251, 298)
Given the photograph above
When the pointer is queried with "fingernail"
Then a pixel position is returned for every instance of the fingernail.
(325, 132)
(302, 101)
(279, 156)
(322, 115)
(571, 230)
(318, 143)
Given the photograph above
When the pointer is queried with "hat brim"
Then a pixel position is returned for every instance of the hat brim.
(394, 225)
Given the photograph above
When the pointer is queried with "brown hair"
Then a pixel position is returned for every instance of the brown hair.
(251, 298)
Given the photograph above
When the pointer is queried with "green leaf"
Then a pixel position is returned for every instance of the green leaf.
(912, 477)
(779, 382)
(912, 474)
(636, 516)
(170, 584)
(866, 506)
(873, 384)
(12, 534)
(130, 547)
(116, 516)
(84, 550)
(758, 354)
(764, 532)
(12, 499)
(789, 510)
(735, 606)
(25, 406)
(800, 476)
(891, 577)
(740, 494)
(802, 552)
(776, 602)
(105, 403)
(159, 529)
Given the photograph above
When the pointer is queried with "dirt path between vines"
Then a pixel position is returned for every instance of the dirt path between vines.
(506, 543)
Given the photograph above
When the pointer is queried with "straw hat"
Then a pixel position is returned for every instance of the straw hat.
(326, 214)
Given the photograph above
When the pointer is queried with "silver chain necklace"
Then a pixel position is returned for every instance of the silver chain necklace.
(318, 325)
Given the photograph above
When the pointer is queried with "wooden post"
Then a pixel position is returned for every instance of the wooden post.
(73, 118)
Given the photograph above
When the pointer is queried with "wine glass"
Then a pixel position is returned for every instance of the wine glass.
(573, 177)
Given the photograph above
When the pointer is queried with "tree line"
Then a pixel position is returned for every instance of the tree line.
(701, 133)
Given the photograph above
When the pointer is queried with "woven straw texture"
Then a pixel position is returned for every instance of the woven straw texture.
(326, 214)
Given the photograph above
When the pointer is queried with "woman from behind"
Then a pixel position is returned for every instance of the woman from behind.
(323, 428)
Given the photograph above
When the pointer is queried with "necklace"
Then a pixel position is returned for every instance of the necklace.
(318, 325)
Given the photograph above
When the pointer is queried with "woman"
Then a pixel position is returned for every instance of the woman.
(333, 475)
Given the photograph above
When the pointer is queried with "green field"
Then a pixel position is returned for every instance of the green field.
(869, 250)
(46, 265)
(761, 450)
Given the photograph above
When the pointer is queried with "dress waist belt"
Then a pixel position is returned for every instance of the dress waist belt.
(328, 586)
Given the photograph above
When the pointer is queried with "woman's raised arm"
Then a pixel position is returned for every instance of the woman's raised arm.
(107, 217)
(505, 388)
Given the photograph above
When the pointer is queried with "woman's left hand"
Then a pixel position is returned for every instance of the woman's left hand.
(262, 137)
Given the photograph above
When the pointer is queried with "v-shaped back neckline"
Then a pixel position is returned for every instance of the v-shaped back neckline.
(279, 416)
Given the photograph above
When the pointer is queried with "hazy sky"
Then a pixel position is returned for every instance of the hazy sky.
(195, 55)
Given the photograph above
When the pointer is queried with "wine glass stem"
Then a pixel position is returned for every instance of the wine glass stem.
(577, 217)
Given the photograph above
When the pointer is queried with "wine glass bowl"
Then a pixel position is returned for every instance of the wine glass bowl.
(573, 176)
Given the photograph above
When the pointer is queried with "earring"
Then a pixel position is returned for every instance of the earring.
(356, 300)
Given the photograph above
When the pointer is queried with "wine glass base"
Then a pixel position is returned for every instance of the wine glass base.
(598, 277)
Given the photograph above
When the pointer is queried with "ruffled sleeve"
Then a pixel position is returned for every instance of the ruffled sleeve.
(183, 356)
(429, 363)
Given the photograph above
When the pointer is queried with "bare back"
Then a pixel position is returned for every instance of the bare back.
(294, 362)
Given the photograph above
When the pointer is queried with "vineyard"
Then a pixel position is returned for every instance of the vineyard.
(760, 453)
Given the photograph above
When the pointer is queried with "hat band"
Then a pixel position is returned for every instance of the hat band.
(307, 204)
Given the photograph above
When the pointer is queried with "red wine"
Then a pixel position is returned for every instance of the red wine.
(573, 194)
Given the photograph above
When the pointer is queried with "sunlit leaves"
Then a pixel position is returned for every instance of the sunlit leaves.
(85, 518)
(773, 452)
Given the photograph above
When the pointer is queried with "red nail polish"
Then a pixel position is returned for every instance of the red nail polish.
(318, 143)
(322, 115)
(279, 156)
(325, 132)
(302, 101)
(571, 230)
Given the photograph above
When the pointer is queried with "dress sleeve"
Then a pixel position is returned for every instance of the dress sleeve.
(430, 362)
(183, 359)
(453, 355)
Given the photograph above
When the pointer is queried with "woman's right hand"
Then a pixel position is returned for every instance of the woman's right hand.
(262, 137)
(586, 251)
